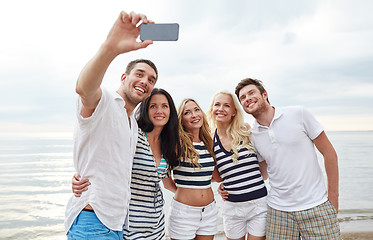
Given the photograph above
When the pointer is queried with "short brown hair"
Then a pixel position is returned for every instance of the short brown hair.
(249, 81)
(132, 64)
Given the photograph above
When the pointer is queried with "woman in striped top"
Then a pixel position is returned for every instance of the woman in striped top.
(193, 213)
(157, 149)
(245, 209)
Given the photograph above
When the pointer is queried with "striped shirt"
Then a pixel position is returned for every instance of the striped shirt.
(189, 176)
(146, 216)
(242, 180)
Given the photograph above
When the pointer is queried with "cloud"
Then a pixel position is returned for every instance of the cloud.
(312, 53)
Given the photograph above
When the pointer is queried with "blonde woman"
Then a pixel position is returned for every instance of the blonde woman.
(245, 208)
(193, 213)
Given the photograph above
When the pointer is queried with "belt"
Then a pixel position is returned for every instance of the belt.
(87, 210)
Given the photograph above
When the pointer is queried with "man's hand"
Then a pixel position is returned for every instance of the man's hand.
(79, 186)
(123, 35)
(333, 199)
(121, 39)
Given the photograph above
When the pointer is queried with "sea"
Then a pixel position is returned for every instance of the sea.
(36, 171)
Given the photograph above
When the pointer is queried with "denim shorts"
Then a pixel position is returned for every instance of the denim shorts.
(241, 218)
(185, 222)
(87, 226)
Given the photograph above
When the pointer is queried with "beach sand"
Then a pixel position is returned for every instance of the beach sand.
(350, 230)
(357, 236)
(345, 236)
(353, 227)
(357, 229)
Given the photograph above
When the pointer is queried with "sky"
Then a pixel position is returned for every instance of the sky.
(318, 54)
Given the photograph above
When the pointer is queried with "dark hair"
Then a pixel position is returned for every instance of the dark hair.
(249, 81)
(132, 64)
(170, 141)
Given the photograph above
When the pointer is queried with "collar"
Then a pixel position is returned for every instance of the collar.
(118, 98)
(278, 114)
(116, 95)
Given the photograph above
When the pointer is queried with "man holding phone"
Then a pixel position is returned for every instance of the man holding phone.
(106, 134)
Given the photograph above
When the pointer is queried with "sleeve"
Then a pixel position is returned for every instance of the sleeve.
(96, 113)
(312, 127)
(260, 158)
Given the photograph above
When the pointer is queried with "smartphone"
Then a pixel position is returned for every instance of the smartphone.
(159, 31)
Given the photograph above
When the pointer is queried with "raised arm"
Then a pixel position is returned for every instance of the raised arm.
(324, 146)
(121, 39)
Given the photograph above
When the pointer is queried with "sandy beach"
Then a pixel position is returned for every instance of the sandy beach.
(357, 236)
(345, 236)
(357, 229)
(351, 230)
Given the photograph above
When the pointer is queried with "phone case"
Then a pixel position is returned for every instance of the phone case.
(159, 31)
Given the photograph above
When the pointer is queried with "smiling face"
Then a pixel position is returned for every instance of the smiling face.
(192, 117)
(223, 109)
(251, 100)
(159, 110)
(138, 84)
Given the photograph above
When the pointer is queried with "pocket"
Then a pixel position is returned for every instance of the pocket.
(215, 209)
(261, 209)
(95, 230)
(174, 211)
(228, 210)
(331, 206)
(69, 236)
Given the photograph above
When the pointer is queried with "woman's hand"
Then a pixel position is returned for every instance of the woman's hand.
(224, 194)
(79, 186)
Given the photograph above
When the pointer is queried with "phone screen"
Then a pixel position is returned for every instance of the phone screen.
(159, 31)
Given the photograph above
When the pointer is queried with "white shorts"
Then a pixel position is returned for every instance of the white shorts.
(245, 217)
(185, 222)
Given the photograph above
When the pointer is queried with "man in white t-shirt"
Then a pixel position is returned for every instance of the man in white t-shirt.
(106, 134)
(299, 204)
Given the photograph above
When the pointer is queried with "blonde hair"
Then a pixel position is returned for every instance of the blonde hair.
(237, 129)
(188, 152)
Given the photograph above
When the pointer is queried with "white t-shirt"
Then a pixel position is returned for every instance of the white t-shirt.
(295, 176)
(104, 146)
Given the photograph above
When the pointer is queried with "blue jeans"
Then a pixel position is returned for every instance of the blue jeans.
(87, 226)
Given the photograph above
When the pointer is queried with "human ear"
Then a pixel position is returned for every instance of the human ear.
(234, 113)
(123, 77)
(265, 95)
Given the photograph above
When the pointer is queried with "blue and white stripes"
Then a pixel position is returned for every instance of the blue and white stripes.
(189, 176)
(146, 216)
(242, 180)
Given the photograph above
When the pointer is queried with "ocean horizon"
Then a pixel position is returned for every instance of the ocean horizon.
(36, 171)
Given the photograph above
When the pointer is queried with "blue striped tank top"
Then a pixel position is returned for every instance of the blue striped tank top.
(189, 176)
(242, 180)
